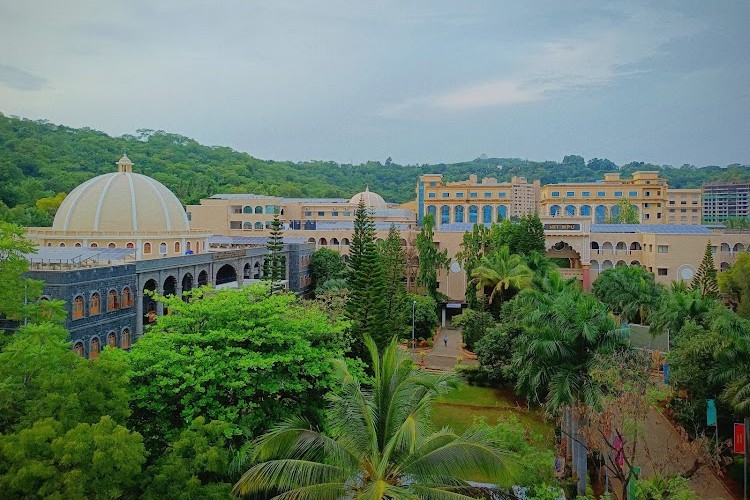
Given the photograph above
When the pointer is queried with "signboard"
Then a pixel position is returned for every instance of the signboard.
(739, 438)
(453, 305)
(562, 227)
(710, 412)
(227, 254)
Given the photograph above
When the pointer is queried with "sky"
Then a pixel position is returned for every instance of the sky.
(667, 82)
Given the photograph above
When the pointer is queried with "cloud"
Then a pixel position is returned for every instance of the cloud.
(19, 79)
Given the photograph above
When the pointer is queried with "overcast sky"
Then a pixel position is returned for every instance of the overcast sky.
(666, 81)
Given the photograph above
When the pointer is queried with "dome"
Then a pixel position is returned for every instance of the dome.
(121, 201)
(372, 200)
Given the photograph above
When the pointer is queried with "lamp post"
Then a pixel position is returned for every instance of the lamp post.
(413, 342)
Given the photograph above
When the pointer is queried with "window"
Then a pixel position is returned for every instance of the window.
(658, 215)
(78, 349)
(430, 195)
(177, 246)
(472, 195)
(95, 304)
(459, 195)
(671, 210)
(77, 308)
(162, 248)
(618, 194)
(683, 203)
(127, 297)
(671, 202)
(433, 183)
(125, 336)
(445, 195)
(662, 271)
(77, 245)
(662, 249)
(585, 194)
(129, 244)
(94, 348)
(247, 210)
(235, 224)
(488, 195)
(647, 193)
(94, 245)
(258, 225)
(321, 214)
(111, 245)
(147, 248)
(334, 214)
(570, 194)
(189, 215)
(112, 302)
(112, 339)
(347, 214)
(308, 214)
(236, 209)
(601, 193)
(555, 194)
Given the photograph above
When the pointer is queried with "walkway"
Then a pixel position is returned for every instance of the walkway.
(443, 358)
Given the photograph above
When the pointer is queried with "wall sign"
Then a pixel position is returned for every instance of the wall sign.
(562, 227)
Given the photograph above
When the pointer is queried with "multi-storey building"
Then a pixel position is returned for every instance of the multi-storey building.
(722, 201)
(473, 201)
(684, 206)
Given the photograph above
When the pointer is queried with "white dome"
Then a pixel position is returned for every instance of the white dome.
(121, 201)
(372, 200)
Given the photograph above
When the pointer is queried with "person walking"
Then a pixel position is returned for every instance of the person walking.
(445, 341)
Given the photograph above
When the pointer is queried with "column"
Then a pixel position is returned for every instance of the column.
(443, 318)
(586, 277)
(138, 294)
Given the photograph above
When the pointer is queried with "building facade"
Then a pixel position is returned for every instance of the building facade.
(724, 201)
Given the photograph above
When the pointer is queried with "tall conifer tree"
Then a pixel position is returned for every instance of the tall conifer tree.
(274, 266)
(705, 279)
(430, 260)
(393, 257)
(366, 306)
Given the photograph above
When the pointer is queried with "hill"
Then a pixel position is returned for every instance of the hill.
(40, 162)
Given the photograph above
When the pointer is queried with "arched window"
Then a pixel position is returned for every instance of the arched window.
(345, 241)
(112, 303)
(247, 210)
(473, 212)
(594, 245)
(739, 247)
(187, 246)
(111, 245)
(147, 247)
(78, 245)
(77, 308)
(129, 244)
(49, 243)
(600, 214)
(176, 247)
(125, 339)
(724, 247)
(445, 214)
(78, 349)
(62, 245)
(635, 246)
(570, 210)
(322, 241)
(258, 209)
(487, 214)
(94, 245)
(258, 225)
(554, 210)
(585, 211)
(458, 213)
(94, 348)
(95, 304)
(162, 248)
(247, 225)
(615, 211)
(502, 212)
(334, 241)
(432, 210)
(112, 339)
(127, 297)
(594, 265)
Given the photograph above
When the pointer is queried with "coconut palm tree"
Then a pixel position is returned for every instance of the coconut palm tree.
(678, 305)
(732, 366)
(501, 270)
(629, 291)
(379, 445)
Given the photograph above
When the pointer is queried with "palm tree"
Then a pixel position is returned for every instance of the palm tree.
(380, 444)
(501, 270)
(733, 361)
(629, 291)
(678, 305)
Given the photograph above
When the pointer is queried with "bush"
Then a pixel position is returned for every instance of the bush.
(425, 316)
(475, 325)
(495, 353)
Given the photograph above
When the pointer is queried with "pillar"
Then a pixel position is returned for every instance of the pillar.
(443, 317)
(138, 294)
(586, 277)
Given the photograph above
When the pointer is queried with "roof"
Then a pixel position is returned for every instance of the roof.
(79, 255)
(349, 226)
(245, 196)
(650, 228)
(392, 212)
(460, 226)
(249, 240)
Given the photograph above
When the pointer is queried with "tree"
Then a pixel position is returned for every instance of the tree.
(627, 213)
(326, 264)
(495, 353)
(430, 259)
(705, 280)
(241, 356)
(500, 271)
(366, 306)
(380, 444)
(274, 265)
(629, 291)
(732, 368)
(679, 305)
(735, 282)
(472, 248)
(425, 316)
(531, 235)
(393, 258)
(475, 324)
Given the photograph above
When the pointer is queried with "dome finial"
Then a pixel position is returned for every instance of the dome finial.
(124, 165)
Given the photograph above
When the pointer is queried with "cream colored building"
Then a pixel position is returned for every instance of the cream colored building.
(122, 209)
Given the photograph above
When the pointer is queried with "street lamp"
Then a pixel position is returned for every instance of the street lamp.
(413, 342)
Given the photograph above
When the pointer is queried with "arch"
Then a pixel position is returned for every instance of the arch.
(78, 244)
(187, 284)
(125, 338)
(163, 247)
(445, 214)
(78, 349)
(247, 225)
(78, 307)
(258, 225)
(594, 245)
(607, 246)
(311, 240)
(247, 271)
(94, 245)
(95, 304)
(322, 241)
(600, 214)
(127, 297)
(404, 242)
(113, 301)
(473, 213)
(256, 270)
(259, 209)
(345, 241)
(49, 243)
(615, 212)
(635, 246)
(570, 210)
(554, 210)
(595, 265)
(226, 274)
(170, 286)
(502, 212)
(202, 278)
(112, 339)
(585, 210)
(458, 213)
(621, 245)
(149, 304)
(724, 266)
(607, 264)
(187, 246)
(635, 263)
(147, 247)
(432, 210)
(345, 258)
(62, 244)
(739, 247)
(334, 241)
(621, 263)
(247, 209)
(487, 214)
(724, 247)
(129, 244)
(111, 245)
(177, 247)
(94, 347)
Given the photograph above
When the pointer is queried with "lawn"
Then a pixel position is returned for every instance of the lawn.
(459, 408)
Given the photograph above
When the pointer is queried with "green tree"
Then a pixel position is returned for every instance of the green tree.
(425, 316)
(679, 305)
(531, 235)
(239, 356)
(393, 258)
(380, 443)
(732, 363)
(499, 272)
(472, 248)
(495, 353)
(366, 305)
(627, 213)
(705, 280)
(274, 267)
(431, 261)
(629, 291)
(475, 324)
(735, 282)
(326, 264)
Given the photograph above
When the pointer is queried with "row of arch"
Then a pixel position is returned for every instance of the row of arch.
(257, 225)
(147, 247)
(123, 341)
(607, 264)
(621, 245)
(471, 215)
(344, 241)
(247, 209)
(115, 301)
(600, 212)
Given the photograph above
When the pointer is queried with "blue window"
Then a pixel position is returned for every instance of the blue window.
(554, 210)
(633, 193)
(473, 214)
(445, 214)
(459, 214)
(472, 195)
(487, 214)
(321, 214)
(618, 194)
(433, 183)
(431, 210)
(570, 194)
(585, 211)
(502, 213)
(555, 194)
(601, 193)
(459, 195)
(585, 194)
(615, 211)
(503, 195)
(570, 210)
(347, 214)
(445, 195)
(488, 195)
(334, 214)
(430, 195)
(308, 214)
(600, 214)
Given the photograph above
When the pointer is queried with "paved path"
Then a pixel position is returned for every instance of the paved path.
(442, 357)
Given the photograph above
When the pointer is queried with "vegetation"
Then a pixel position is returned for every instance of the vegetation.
(499, 272)
(705, 280)
(628, 291)
(274, 267)
(393, 259)
(326, 264)
(430, 260)
(735, 283)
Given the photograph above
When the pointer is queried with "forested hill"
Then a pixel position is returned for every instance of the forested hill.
(40, 162)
